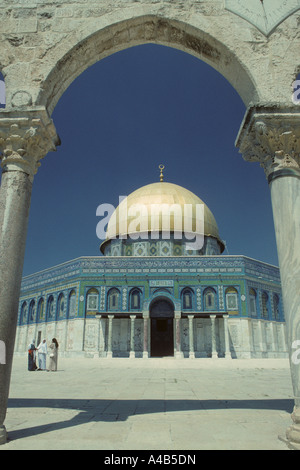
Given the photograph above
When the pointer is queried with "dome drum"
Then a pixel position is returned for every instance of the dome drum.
(160, 247)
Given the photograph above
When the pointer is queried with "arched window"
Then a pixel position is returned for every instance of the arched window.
(265, 305)
(276, 306)
(187, 299)
(41, 310)
(72, 304)
(50, 308)
(113, 299)
(231, 299)
(92, 300)
(135, 299)
(32, 311)
(210, 298)
(61, 305)
(23, 316)
(252, 302)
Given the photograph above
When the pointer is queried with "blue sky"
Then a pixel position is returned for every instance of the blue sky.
(117, 122)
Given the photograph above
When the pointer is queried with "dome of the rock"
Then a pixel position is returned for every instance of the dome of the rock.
(158, 212)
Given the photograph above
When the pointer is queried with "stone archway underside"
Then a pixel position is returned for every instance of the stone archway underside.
(45, 46)
(142, 31)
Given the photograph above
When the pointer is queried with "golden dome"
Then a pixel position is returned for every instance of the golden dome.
(138, 207)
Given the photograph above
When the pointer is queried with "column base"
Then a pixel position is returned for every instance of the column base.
(3, 435)
(109, 355)
(214, 356)
(191, 355)
(145, 355)
(132, 355)
(178, 355)
(228, 355)
(293, 432)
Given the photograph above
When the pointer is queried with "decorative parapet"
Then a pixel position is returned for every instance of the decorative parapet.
(103, 269)
(272, 138)
(25, 138)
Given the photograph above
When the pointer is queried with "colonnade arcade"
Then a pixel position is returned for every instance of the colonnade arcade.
(55, 44)
(151, 334)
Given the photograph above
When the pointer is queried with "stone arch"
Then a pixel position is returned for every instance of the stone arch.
(75, 58)
(162, 306)
(67, 42)
(163, 294)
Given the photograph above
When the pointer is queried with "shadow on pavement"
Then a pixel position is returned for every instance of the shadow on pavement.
(97, 410)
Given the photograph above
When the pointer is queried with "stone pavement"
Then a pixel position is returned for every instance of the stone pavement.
(152, 404)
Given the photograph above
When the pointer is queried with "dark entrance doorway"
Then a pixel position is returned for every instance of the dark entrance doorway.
(162, 334)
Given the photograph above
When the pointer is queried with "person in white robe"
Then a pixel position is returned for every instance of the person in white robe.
(53, 355)
(42, 352)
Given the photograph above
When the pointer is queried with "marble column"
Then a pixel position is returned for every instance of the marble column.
(98, 317)
(261, 339)
(102, 333)
(146, 335)
(226, 337)
(132, 322)
(25, 138)
(271, 136)
(177, 339)
(214, 353)
(109, 337)
(191, 337)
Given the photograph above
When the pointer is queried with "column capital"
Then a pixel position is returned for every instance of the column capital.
(26, 137)
(271, 136)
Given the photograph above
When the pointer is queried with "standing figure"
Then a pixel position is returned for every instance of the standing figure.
(53, 355)
(32, 356)
(42, 350)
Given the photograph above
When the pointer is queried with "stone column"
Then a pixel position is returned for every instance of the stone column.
(177, 345)
(132, 321)
(226, 335)
(98, 317)
(214, 353)
(191, 337)
(109, 338)
(271, 136)
(146, 335)
(261, 339)
(102, 333)
(25, 138)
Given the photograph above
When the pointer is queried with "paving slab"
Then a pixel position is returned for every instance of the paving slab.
(150, 404)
